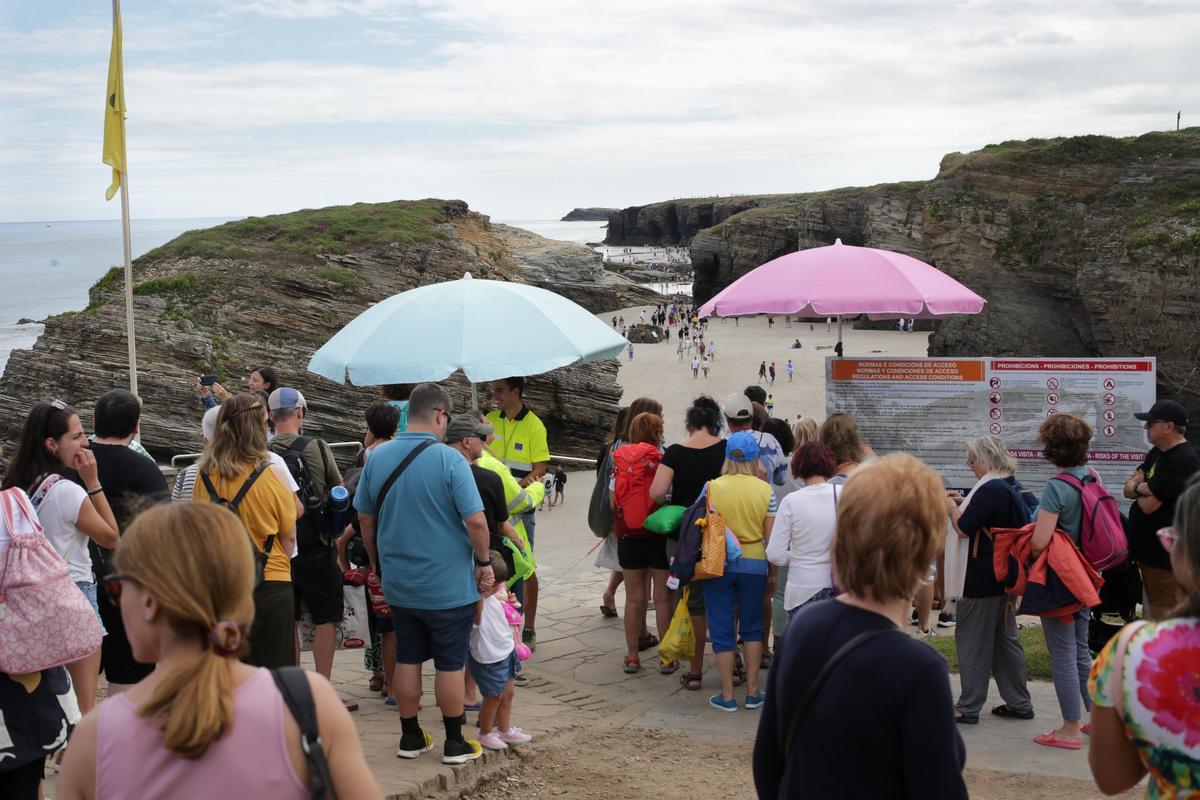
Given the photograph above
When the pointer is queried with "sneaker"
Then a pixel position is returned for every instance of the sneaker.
(412, 745)
(755, 700)
(461, 752)
(515, 736)
(928, 633)
(521, 680)
(946, 620)
(530, 638)
(912, 620)
(492, 741)
(720, 703)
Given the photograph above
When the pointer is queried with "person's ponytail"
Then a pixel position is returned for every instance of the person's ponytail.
(196, 703)
(195, 561)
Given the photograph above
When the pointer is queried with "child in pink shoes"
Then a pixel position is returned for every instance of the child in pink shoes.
(493, 664)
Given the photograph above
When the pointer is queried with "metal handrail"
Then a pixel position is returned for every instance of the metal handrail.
(188, 458)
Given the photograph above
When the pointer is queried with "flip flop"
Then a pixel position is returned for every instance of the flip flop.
(1048, 739)
(1086, 728)
(608, 611)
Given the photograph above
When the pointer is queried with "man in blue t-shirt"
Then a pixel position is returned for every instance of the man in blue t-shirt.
(427, 538)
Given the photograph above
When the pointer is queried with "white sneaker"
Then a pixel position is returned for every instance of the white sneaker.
(492, 741)
(515, 736)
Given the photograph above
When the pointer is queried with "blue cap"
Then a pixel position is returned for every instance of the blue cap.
(741, 446)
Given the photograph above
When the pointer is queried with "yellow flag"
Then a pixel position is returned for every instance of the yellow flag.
(114, 112)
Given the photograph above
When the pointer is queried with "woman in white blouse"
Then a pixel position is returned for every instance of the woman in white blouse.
(804, 528)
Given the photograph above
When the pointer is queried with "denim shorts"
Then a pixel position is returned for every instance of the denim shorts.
(493, 679)
(442, 634)
(89, 591)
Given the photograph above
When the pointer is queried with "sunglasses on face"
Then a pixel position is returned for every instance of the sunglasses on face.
(1167, 537)
(111, 584)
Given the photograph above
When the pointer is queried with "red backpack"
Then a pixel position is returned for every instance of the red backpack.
(634, 466)
(1101, 534)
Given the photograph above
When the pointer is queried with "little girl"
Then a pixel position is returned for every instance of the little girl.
(493, 663)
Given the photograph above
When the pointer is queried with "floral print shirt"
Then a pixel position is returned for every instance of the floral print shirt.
(1160, 695)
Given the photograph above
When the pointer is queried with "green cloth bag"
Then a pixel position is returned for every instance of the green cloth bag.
(666, 520)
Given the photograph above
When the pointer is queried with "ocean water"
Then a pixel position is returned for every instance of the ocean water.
(47, 267)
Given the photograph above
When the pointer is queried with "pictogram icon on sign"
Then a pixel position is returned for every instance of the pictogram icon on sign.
(995, 428)
(1109, 384)
(1109, 415)
(1052, 399)
(994, 413)
(1110, 430)
(994, 397)
(1110, 399)
(1052, 383)
(994, 383)
(1052, 412)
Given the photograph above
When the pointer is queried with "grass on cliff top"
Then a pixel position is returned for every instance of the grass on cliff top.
(1091, 149)
(332, 230)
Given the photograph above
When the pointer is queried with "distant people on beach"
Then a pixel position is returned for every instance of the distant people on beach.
(791, 369)
(762, 371)
(695, 366)
(704, 365)
(796, 345)
(771, 372)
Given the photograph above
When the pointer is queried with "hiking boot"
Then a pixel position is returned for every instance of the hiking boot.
(462, 751)
(412, 745)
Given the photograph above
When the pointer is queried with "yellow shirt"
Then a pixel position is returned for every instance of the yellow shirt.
(745, 501)
(268, 508)
(520, 442)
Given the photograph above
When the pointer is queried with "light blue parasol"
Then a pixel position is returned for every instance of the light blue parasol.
(488, 329)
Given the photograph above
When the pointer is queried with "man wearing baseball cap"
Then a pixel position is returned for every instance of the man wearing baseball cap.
(1154, 487)
(467, 434)
(739, 416)
(316, 579)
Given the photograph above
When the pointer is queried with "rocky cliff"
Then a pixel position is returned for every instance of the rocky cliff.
(675, 222)
(588, 214)
(271, 290)
(1082, 246)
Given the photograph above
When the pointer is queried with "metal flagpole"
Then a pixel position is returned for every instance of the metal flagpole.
(129, 330)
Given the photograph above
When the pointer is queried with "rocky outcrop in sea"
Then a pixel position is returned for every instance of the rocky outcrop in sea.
(271, 290)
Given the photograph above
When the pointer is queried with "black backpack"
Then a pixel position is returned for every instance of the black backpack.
(312, 529)
(260, 556)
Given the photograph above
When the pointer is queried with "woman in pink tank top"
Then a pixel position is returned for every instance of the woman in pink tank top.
(202, 722)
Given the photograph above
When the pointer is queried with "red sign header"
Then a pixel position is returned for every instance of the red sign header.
(1016, 365)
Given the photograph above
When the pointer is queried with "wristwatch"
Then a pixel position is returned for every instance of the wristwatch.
(479, 563)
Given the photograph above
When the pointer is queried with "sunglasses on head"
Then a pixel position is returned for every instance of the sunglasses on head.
(59, 404)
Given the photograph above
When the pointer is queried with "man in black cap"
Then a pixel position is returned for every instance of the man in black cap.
(1154, 487)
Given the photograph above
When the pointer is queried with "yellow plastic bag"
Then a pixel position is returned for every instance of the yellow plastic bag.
(679, 643)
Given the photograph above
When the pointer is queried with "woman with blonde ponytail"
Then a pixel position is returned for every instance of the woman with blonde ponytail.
(202, 721)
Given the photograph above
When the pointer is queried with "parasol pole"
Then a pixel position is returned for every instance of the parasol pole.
(474, 397)
(838, 348)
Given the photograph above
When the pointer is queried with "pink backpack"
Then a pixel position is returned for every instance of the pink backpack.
(1101, 535)
(45, 621)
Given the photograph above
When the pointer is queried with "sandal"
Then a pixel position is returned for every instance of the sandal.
(767, 658)
(350, 705)
(1050, 740)
(608, 611)
(632, 665)
(376, 684)
(691, 681)
(1003, 710)
(647, 641)
(669, 668)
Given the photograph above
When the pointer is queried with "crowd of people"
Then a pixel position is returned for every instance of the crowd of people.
(842, 547)
(200, 590)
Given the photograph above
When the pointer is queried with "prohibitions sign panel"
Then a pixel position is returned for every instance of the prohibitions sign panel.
(930, 406)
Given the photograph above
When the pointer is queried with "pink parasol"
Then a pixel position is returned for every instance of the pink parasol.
(844, 281)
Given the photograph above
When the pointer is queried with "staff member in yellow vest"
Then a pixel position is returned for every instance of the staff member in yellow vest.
(521, 444)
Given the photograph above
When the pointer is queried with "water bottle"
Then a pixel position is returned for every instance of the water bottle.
(338, 509)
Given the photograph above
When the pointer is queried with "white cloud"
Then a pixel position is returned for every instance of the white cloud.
(530, 105)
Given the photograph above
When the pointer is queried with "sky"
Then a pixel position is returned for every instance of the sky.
(526, 109)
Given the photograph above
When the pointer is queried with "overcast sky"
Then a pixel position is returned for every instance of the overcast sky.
(526, 109)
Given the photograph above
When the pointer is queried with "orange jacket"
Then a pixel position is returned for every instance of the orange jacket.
(1056, 583)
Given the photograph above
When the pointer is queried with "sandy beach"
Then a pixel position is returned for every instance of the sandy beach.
(656, 370)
